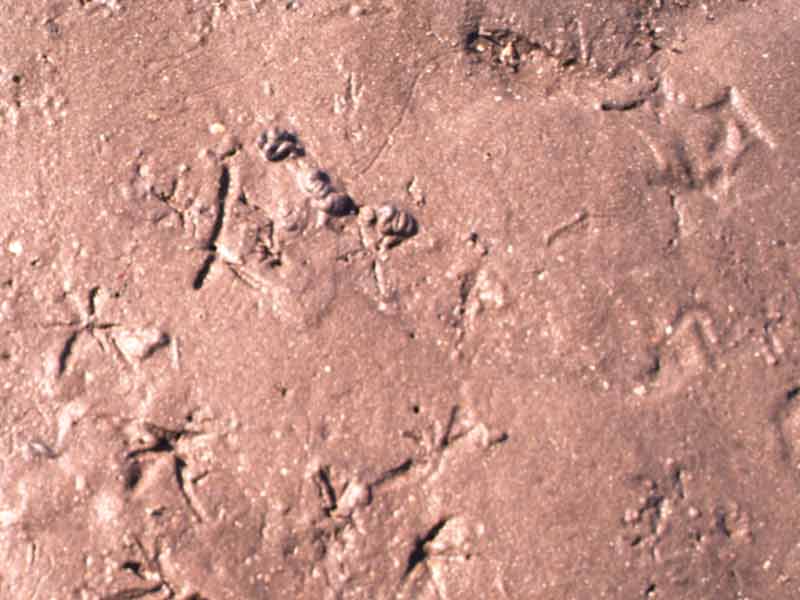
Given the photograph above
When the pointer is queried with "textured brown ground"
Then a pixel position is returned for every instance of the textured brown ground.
(577, 379)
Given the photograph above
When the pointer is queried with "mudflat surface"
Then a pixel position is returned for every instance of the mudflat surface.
(399, 299)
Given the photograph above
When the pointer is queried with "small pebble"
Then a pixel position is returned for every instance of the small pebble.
(15, 247)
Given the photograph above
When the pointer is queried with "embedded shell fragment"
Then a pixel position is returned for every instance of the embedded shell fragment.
(279, 144)
(315, 182)
(396, 222)
(335, 204)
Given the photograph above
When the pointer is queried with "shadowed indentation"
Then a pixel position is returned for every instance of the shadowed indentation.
(397, 471)
(222, 194)
(180, 467)
(66, 351)
(163, 444)
(132, 594)
(133, 474)
(622, 105)
(327, 490)
(202, 274)
(419, 553)
(133, 566)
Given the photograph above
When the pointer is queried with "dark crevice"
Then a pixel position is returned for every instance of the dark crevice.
(419, 553)
(133, 474)
(471, 25)
(581, 218)
(447, 437)
(163, 341)
(132, 594)
(166, 196)
(202, 274)
(622, 105)
(231, 153)
(685, 164)
(471, 38)
(500, 439)
(163, 444)
(222, 194)
(92, 301)
(722, 527)
(327, 490)
(779, 413)
(656, 503)
(66, 351)
(133, 566)
(376, 277)
(400, 469)
(673, 203)
(466, 283)
(180, 467)
(157, 561)
(654, 368)
(677, 482)
(720, 102)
